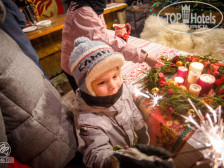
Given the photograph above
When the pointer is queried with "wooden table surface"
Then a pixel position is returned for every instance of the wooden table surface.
(57, 22)
(114, 7)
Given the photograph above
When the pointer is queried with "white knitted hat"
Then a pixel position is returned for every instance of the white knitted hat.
(90, 59)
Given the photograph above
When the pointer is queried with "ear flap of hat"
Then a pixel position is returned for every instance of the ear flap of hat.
(115, 60)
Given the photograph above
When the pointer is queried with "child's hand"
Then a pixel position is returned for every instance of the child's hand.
(144, 156)
(153, 62)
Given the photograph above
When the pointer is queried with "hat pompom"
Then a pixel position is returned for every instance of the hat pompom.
(81, 40)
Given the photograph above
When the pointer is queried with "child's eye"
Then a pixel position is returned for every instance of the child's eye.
(101, 83)
(115, 76)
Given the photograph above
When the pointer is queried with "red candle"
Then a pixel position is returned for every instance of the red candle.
(206, 82)
(182, 72)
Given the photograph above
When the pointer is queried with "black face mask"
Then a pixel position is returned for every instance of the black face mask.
(97, 5)
(101, 101)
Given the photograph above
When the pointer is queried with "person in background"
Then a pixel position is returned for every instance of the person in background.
(85, 18)
(3, 137)
(34, 120)
(13, 24)
(121, 13)
(107, 114)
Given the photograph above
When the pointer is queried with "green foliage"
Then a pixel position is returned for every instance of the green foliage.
(178, 101)
(216, 101)
(221, 70)
(168, 69)
(205, 9)
(159, 4)
(175, 99)
(152, 80)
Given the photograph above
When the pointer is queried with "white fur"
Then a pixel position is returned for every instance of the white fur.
(112, 61)
(211, 41)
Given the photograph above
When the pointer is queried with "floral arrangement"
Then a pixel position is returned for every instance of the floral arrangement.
(175, 98)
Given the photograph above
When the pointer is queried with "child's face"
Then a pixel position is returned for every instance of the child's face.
(108, 83)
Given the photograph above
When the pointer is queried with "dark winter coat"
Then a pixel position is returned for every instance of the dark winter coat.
(38, 129)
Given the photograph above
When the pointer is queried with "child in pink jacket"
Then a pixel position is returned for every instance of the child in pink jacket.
(85, 18)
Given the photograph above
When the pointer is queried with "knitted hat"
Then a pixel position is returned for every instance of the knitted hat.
(90, 59)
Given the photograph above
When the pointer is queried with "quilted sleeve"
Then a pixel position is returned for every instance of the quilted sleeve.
(97, 147)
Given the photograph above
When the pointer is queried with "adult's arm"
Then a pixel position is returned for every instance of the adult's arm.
(14, 11)
(93, 26)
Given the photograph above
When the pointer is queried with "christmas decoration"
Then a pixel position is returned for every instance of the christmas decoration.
(183, 88)
(179, 63)
(154, 78)
(155, 90)
(191, 112)
(163, 58)
(172, 83)
(176, 97)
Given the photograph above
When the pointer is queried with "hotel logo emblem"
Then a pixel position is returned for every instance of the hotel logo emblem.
(190, 17)
(5, 151)
(185, 13)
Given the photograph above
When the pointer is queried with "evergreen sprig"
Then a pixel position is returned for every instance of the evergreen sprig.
(168, 69)
(178, 102)
(152, 80)
(221, 70)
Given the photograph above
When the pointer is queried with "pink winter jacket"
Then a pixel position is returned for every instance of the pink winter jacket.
(85, 22)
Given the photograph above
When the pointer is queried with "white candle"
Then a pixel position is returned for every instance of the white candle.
(206, 81)
(193, 76)
(197, 66)
(194, 89)
(179, 80)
